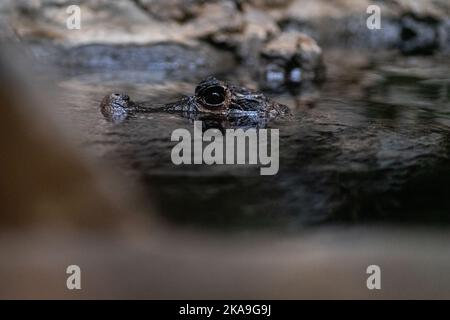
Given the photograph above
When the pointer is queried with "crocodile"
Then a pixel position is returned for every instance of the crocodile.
(215, 102)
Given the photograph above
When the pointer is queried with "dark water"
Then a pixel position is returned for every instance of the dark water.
(370, 146)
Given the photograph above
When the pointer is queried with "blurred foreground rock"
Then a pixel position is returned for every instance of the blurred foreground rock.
(44, 180)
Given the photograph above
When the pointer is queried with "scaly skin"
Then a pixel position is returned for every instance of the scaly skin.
(116, 107)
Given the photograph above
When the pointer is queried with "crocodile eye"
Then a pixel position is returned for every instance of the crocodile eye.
(213, 96)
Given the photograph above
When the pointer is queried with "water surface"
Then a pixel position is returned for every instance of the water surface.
(370, 146)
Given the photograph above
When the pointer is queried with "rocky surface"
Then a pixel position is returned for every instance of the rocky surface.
(233, 23)
(178, 36)
(123, 21)
(343, 23)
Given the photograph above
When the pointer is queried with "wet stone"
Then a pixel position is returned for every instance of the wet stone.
(291, 59)
(419, 35)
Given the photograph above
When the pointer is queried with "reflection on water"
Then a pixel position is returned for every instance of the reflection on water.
(370, 146)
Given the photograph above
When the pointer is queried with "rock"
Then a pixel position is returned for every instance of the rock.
(101, 22)
(444, 32)
(177, 10)
(290, 59)
(422, 25)
(46, 180)
(419, 35)
(257, 28)
(127, 21)
(437, 9)
(314, 10)
(237, 24)
(411, 26)
(267, 4)
(214, 18)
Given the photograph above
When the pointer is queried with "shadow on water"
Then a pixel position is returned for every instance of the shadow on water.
(372, 150)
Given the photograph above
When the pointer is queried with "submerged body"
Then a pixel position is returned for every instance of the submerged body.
(215, 102)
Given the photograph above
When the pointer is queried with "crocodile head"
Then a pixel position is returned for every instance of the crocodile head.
(215, 102)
